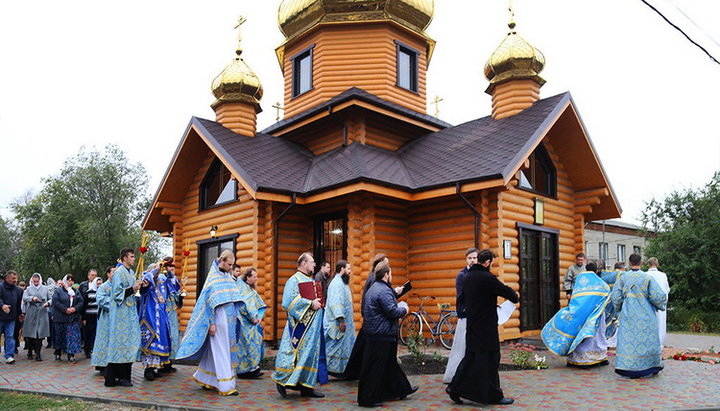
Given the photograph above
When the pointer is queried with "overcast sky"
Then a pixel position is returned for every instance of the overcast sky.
(132, 73)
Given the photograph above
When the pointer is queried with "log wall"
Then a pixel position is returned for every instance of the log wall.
(359, 55)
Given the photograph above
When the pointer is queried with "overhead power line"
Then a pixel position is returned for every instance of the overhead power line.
(681, 31)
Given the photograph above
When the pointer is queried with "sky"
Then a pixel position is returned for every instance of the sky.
(90, 73)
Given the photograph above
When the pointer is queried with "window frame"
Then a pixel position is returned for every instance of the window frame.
(624, 252)
(295, 75)
(603, 251)
(414, 70)
(214, 168)
(541, 155)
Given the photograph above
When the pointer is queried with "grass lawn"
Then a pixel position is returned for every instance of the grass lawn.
(10, 401)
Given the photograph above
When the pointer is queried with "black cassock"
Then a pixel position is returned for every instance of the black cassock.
(477, 376)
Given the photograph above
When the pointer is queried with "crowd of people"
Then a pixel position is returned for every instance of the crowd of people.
(131, 318)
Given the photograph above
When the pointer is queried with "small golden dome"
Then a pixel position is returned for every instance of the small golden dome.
(237, 83)
(297, 16)
(514, 58)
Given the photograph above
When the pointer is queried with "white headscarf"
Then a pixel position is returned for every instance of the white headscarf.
(69, 289)
(93, 286)
(32, 286)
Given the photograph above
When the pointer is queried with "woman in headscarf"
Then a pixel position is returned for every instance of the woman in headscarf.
(210, 334)
(66, 303)
(90, 315)
(37, 325)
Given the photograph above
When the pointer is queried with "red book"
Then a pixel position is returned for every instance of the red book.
(312, 290)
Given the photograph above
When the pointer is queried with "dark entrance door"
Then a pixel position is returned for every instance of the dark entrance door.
(208, 250)
(539, 277)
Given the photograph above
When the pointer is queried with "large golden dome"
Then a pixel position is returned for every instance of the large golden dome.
(237, 83)
(514, 58)
(296, 16)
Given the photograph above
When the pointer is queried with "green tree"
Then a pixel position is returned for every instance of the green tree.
(7, 243)
(83, 216)
(687, 244)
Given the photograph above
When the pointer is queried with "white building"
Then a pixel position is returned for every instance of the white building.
(614, 240)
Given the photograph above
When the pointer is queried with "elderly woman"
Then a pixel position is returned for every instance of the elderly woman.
(37, 325)
(381, 378)
(66, 304)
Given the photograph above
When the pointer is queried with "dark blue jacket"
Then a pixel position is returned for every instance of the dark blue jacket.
(61, 302)
(10, 294)
(460, 300)
(381, 312)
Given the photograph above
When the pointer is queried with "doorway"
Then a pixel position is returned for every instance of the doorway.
(539, 276)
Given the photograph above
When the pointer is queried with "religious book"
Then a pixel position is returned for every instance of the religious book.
(504, 311)
(312, 290)
(406, 289)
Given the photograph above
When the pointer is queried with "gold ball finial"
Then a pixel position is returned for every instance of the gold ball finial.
(237, 82)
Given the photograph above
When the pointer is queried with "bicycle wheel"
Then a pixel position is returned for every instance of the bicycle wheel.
(410, 326)
(446, 329)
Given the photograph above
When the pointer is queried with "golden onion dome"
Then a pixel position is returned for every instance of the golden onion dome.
(297, 16)
(514, 58)
(237, 83)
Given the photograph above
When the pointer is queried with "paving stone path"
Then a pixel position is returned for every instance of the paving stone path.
(682, 385)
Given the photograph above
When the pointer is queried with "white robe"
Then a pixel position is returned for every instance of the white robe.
(457, 351)
(215, 370)
(661, 279)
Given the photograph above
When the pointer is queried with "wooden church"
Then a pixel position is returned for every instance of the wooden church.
(357, 167)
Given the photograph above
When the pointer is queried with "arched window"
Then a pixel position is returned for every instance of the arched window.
(218, 186)
(538, 173)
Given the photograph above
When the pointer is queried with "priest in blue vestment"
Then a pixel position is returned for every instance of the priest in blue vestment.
(637, 297)
(298, 358)
(210, 334)
(249, 329)
(578, 330)
(154, 324)
(123, 323)
(611, 316)
(173, 302)
(102, 331)
(339, 323)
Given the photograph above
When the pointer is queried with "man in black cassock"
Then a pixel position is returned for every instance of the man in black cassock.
(477, 376)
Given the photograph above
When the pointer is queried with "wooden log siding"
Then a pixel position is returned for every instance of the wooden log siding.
(439, 232)
(360, 55)
(517, 205)
(240, 217)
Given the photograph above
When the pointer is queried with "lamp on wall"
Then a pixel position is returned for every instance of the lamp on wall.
(213, 231)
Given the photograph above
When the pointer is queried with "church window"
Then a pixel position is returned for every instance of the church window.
(407, 67)
(538, 173)
(218, 186)
(302, 68)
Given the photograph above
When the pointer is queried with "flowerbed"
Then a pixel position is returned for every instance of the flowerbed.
(709, 356)
(524, 356)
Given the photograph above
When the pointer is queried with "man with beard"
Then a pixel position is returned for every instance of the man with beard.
(339, 323)
(477, 376)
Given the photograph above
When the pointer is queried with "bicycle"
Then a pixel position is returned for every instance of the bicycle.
(412, 323)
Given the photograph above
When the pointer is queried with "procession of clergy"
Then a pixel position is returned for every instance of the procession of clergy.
(606, 308)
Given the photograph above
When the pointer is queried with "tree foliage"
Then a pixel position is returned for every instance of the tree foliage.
(83, 216)
(7, 246)
(687, 244)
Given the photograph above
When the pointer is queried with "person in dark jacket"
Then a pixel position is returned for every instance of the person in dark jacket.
(66, 304)
(381, 378)
(10, 302)
(477, 376)
(90, 315)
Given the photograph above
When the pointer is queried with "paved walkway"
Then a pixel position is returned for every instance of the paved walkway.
(700, 342)
(682, 385)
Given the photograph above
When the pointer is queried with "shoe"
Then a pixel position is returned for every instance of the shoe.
(110, 384)
(310, 393)
(71, 358)
(281, 389)
(30, 356)
(38, 358)
(10, 360)
(156, 373)
(149, 375)
(88, 355)
(377, 404)
(124, 383)
(234, 393)
(57, 357)
(453, 396)
(505, 401)
(167, 369)
(413, 390)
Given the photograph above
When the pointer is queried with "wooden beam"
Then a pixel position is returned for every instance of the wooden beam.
(168, 204)
(171, 211)
(594, 200)
(585, 209)
(593, 192)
